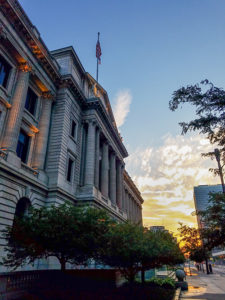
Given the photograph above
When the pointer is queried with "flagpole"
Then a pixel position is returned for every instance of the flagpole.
(97, 61)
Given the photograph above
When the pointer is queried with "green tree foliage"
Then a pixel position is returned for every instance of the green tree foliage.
(124, 249)
(160, 248)
(213, 217)
(132, 248)
(70, 233)
(210, 110)
(192, 245)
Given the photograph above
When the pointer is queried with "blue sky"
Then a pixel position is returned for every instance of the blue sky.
(149, 49)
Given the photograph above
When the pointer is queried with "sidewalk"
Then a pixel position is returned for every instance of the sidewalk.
(207, 287)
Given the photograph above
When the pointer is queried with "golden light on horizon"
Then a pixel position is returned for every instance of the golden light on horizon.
(166, 177)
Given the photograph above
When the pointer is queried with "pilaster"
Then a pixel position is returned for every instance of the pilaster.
(42, 135)
(97, 153)
(112, 178)
(90, 155)
(119, 184)
(105, 170)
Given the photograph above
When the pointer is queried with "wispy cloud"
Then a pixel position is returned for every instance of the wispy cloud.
(166, 176)
(121, 106)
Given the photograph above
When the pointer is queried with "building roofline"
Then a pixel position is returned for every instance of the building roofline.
(74, 55)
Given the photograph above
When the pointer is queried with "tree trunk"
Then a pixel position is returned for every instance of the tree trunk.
(207, 266)
(63, 264)
(130, 275)
(142, 275)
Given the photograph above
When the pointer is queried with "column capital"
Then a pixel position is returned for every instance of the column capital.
(113, 153)
(90, 122)
(48, 95)
(25, 67)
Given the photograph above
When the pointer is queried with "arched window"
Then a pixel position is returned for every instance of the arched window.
(22, 207)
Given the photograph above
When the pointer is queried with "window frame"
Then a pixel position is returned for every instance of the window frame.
(27, 145)
(73, 136)
(71, 177)
(5, 86)
(36, 101)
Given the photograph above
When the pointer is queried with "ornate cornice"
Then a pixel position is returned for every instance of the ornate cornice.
(132, 186)
(48, 95)
(25, 67)
(95, 103)
(67, 81)
(29, 34)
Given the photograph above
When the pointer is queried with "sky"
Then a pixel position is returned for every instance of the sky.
(150, 48)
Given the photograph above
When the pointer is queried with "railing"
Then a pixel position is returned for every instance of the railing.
(14, 285)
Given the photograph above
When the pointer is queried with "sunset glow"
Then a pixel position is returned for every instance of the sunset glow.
(166, 176)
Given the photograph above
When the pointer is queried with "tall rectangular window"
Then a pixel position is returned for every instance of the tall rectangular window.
(73, 129)
(4, 71)
(22, 146)
(31, 101)
(69, 170)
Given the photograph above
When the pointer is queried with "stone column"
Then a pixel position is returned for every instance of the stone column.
(90, 155)
(128, 205)
(105, 170)
(119, 185)
(16, 112)
(42, 135)
(97, 153)
(112, 178)
(123, 192)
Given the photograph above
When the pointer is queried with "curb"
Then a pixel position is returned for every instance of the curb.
(177, 294)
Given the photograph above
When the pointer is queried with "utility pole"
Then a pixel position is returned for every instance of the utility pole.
(220, 168)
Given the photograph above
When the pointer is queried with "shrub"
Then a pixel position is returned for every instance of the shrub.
(167, 282)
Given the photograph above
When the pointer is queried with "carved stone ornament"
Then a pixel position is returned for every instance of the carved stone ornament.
(3, 34)
(95, 91)
(48, 95)
(25, 67)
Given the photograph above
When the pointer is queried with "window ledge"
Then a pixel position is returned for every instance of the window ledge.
(73, 139)
(28, 169)
(30, 115)
(4, 90)
(3, 154)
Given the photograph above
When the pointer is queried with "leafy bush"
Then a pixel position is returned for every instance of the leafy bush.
(167, 282)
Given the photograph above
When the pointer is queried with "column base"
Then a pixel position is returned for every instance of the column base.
(42, 176)
(87, 192)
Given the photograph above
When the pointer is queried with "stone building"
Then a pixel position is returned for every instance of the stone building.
(58, 136)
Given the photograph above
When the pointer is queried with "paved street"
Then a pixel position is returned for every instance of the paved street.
(208, 287)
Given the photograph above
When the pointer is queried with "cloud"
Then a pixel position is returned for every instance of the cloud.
(166, 176)
(121, 107)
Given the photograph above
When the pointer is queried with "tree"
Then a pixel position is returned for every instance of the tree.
(132, 248)
(213, 218)
(124, 248)
(192, 244)
(210, 109)
(70, 233)
(159, 248)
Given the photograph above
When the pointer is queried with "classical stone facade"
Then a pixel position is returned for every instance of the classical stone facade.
(58, 137)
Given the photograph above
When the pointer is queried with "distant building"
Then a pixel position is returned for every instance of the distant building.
(158, 228)
(201, 198)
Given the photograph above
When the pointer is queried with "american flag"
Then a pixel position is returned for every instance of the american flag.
(98, 51)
